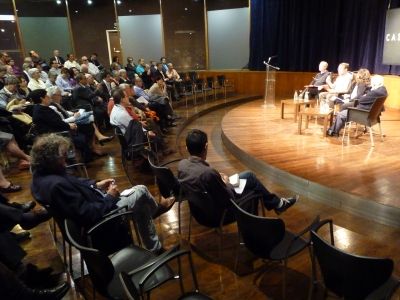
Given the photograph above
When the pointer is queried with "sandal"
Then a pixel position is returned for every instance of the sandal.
(11, 188)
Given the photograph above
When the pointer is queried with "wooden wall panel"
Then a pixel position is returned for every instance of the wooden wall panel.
(287, 82)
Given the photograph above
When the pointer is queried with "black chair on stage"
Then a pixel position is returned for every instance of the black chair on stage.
(225, 83)
(268, 238)
(364, 117)
(351, 276)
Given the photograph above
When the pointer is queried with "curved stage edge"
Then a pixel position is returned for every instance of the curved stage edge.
(243, 136)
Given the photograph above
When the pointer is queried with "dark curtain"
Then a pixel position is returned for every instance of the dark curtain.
(304, 32)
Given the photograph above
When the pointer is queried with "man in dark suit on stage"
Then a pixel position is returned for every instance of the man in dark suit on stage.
(377, 91)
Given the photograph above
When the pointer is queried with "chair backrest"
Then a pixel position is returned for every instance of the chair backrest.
(121, 139)
(166, 181)
(376, 109)
(210, 81)
(207, 211)
(349, 276)
(260, 234)
(192, 76)
(101, 270)
(221, 80)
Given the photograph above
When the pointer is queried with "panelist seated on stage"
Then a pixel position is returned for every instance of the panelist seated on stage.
(360, 86)
(378, 90)
(341, 85)
(196, 175)
(319, 80)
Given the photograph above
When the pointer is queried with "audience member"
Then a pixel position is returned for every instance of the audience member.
(35, 82)
(87, 201)
(123, 77)
(63, 81)
(4, 58)
(196, 176)
(57, 58)
(9, 91)
(140, 66)
(92, 68)
(16, 70)
(71, 62)
(48, 121)
(130, 68)
(94, 59)
(163, 61)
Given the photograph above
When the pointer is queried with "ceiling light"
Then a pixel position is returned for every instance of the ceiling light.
(89, 2)
(76, 11)
(186, 8)
(130, 10)
(2, 30)
(58, 2)
(119, 2)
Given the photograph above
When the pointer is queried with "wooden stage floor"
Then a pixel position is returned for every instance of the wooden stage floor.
(356, 177)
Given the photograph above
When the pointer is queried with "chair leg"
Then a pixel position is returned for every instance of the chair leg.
(380, 131)
(344, 132)
(71, 270)
(284, 279)
(313, 273)
(371, 135)
(179, 219)
(190, 228)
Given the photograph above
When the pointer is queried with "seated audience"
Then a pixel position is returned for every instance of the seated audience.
(83, 119)
(92, 68)
(4, 59)
(174, 80)
(7, 186)
(71, 62)
(196, 176)
(163, 61)
(43, 74)
(140, 66)
(37, 60)
(51, 81)
(87, 201)
(3, 71)
(130, 68)
(13, 288)
(94, 59)
(57, 58)
(147, 77)
(104, 89)
(365, 102)
(54, 67)
(340, 86)
(63, 82)
(35, 82)
(25, 71)
(9, 144)
(46, 120)
(123, 77)
(22, 88)
(16, 70)
(123, 116)
(9, 91)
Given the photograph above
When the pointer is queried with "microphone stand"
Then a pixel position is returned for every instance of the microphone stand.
(269, 95)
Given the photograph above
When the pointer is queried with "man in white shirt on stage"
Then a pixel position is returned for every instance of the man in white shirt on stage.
(341, 85)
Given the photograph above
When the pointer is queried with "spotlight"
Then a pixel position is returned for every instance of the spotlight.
(76, 11)
(2, 30)
(186, 8)
(89, 2)
(119, 2)
(58, 2)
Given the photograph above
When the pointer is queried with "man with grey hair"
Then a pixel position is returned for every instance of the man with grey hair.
(86, 201)
(92, 69)
(36, 82)
(8, 92)
(378, 90)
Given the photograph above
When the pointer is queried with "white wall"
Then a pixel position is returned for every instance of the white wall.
(141, 37)
(229, 38)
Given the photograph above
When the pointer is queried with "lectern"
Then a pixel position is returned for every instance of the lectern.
(269, 95)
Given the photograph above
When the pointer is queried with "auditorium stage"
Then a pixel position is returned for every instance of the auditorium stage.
(354, 176)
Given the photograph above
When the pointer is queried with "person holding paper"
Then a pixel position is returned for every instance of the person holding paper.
(196, 175)
(86, 201)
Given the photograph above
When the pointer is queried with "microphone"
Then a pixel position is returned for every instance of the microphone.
(271, 57)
